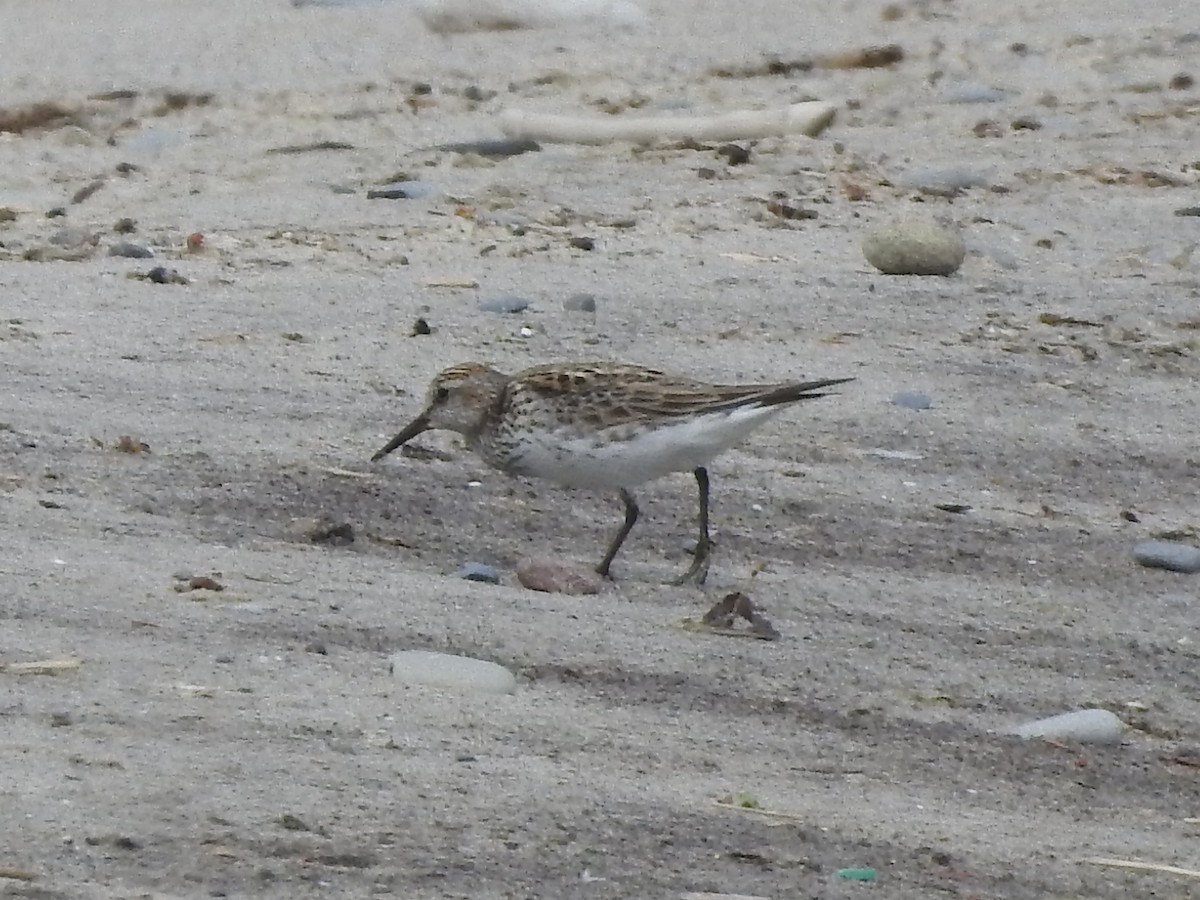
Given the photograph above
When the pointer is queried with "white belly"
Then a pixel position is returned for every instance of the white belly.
(626, 456)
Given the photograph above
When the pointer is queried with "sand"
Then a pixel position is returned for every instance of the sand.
(251, 741)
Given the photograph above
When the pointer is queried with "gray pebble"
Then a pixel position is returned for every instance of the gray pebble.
(1172, 555)
(73, 236)
(1088, 726)
(912, 400)
(477, 571)
(1001, 256)
(914, 246)
(130, 250)
(507, 304)
(402, 190)
(942, 181)
(493, 149)
(972, 92)
(580, 303)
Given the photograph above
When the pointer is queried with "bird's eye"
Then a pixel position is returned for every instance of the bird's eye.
(441, 394)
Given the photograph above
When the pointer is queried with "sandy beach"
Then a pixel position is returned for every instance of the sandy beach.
(937, 576)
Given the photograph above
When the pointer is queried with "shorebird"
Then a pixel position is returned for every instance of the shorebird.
(600, 425)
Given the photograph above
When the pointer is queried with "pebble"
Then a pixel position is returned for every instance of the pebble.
(71, 236)
(163, 275)
(912, 400)
(510, 303)
(914, 246)
(448, 671)
(1090, 726)
(580, 303)
(1172, 555)
(557, 577)
(130, 250)
(477, 571)
(402, 190)
(1001, 256)
(972, 92)
(942, 181)
(493, 149)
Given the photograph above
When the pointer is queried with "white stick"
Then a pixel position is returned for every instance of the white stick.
(1139, 866)
(800, 118)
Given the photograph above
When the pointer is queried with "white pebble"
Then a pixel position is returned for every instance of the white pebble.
(458, 672)
(1091, 726)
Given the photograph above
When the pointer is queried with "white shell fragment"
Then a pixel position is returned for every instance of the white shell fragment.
(445, 670)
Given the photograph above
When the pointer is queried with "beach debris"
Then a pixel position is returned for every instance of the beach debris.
(809, 118)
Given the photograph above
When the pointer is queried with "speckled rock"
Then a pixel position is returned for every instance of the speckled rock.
(914, 246)
(557, 577)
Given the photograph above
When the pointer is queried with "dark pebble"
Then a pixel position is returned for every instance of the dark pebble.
(163, 275)
(506, 304)
(582, 243)
(56, 212)
(421, 327)
(476, 94)
(1188, 211)
(401, 190)
(130, 250)
(580, 303)
(477, 571)
(124, 226)
(735, 154)
(493, 149)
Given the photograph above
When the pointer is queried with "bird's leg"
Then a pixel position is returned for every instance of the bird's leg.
(631, 515)
(698, 571)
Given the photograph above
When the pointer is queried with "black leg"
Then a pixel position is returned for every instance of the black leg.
(698, 571)
(631, 514)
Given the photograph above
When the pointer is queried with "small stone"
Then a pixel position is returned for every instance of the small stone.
(421, 327)
(1026, 123)
(477, 571)
(402, 190)
(1181, 82)
(580, 303)
(1172, 555)
(464, 673)
(130, 250)
(1088, 726)
(583, 243)
(912, 400)
(124, 226)
(501, 148)
(557, 577)
(914, 246)
(509, 303)
(163, 275)
(74, 237)
(970, 92)
(942, 181)
(735, 154)
(7, 214)
(476, 94)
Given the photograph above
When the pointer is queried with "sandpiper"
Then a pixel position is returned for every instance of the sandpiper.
(602, 425)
